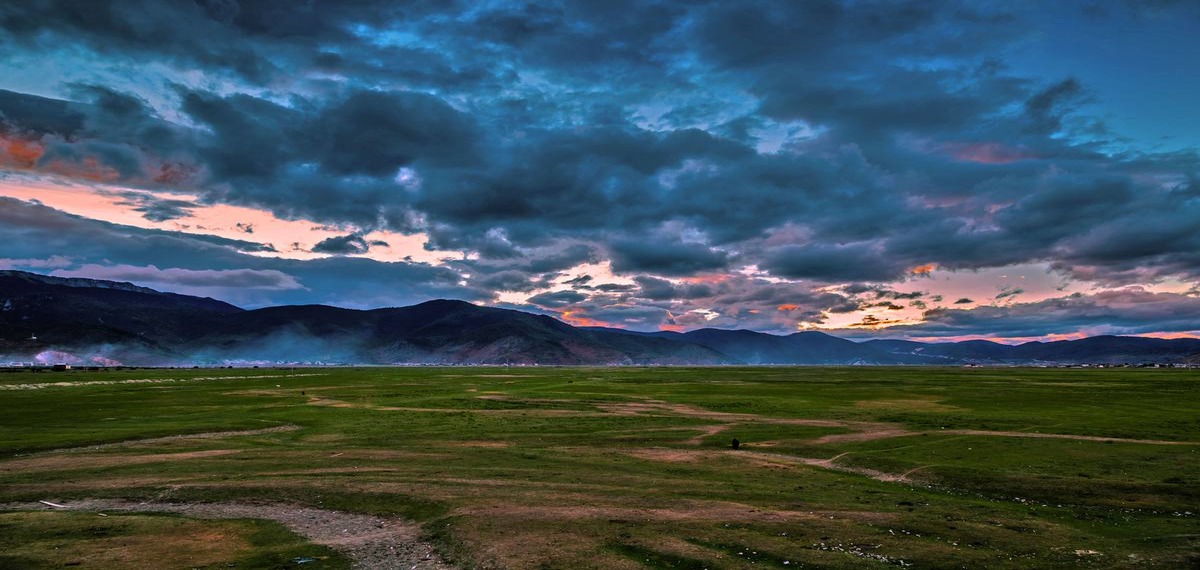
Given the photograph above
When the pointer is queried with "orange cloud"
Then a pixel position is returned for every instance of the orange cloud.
(709, 278)
(576, 318)
(1168, 335)
(787, 307)
(19, 152)
(923, 269)
(873, 322)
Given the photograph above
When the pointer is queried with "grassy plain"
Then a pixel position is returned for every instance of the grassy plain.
(628, 467)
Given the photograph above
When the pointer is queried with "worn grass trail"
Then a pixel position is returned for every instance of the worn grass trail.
(631, 468)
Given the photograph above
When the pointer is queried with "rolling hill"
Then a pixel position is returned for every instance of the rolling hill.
(84, 321)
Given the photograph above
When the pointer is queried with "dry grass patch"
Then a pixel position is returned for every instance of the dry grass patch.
(62, 462)
(127, 542)
(908, 405)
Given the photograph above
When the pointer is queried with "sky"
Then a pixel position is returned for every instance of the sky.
(1012, 170)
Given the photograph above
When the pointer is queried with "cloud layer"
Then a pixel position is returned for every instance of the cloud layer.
(738, 164)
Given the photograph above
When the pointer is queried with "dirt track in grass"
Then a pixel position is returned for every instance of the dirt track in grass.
(370, 542)
(171, 438)
(859, 430)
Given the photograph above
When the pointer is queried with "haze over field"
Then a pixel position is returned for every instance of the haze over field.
(1012, 171)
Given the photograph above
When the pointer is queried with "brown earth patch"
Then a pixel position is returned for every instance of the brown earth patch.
(331, 403)
(670, 455)
(879, 431)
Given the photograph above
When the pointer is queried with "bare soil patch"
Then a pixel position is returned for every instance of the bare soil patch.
(879, 431)
(671, 455)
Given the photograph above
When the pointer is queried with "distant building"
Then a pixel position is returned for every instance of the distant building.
(60, 367)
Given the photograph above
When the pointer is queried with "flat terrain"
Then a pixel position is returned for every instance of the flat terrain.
(601, 468)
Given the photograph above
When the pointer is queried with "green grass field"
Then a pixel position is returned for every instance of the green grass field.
(623, 468)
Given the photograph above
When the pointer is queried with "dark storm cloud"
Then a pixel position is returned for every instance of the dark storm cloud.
(833, 263)
(660, 289)
(158, 209)
(176, 279)
(822, 141)
(666, 258)
(346, 245)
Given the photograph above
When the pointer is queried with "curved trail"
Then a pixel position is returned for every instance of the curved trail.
(370, 542)
(164, 439)
(1060, 436)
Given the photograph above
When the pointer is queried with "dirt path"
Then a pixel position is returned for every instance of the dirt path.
(1060, 436)
(169, 438)
(54, 462)
(370, 542)
(705, 431)
(676, 455)
(859, 430)
(824, 464)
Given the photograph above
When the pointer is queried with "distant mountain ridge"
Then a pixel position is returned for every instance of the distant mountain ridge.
(88, 321)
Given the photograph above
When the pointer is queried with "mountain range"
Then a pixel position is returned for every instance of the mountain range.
(84, 321)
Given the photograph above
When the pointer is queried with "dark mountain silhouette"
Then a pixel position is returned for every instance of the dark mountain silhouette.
(808, 347)
(82, 318)
(51, 319)
(1094, 350)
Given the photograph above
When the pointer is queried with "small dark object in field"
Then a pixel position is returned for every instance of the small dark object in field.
(736, 444)
(302, 392)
